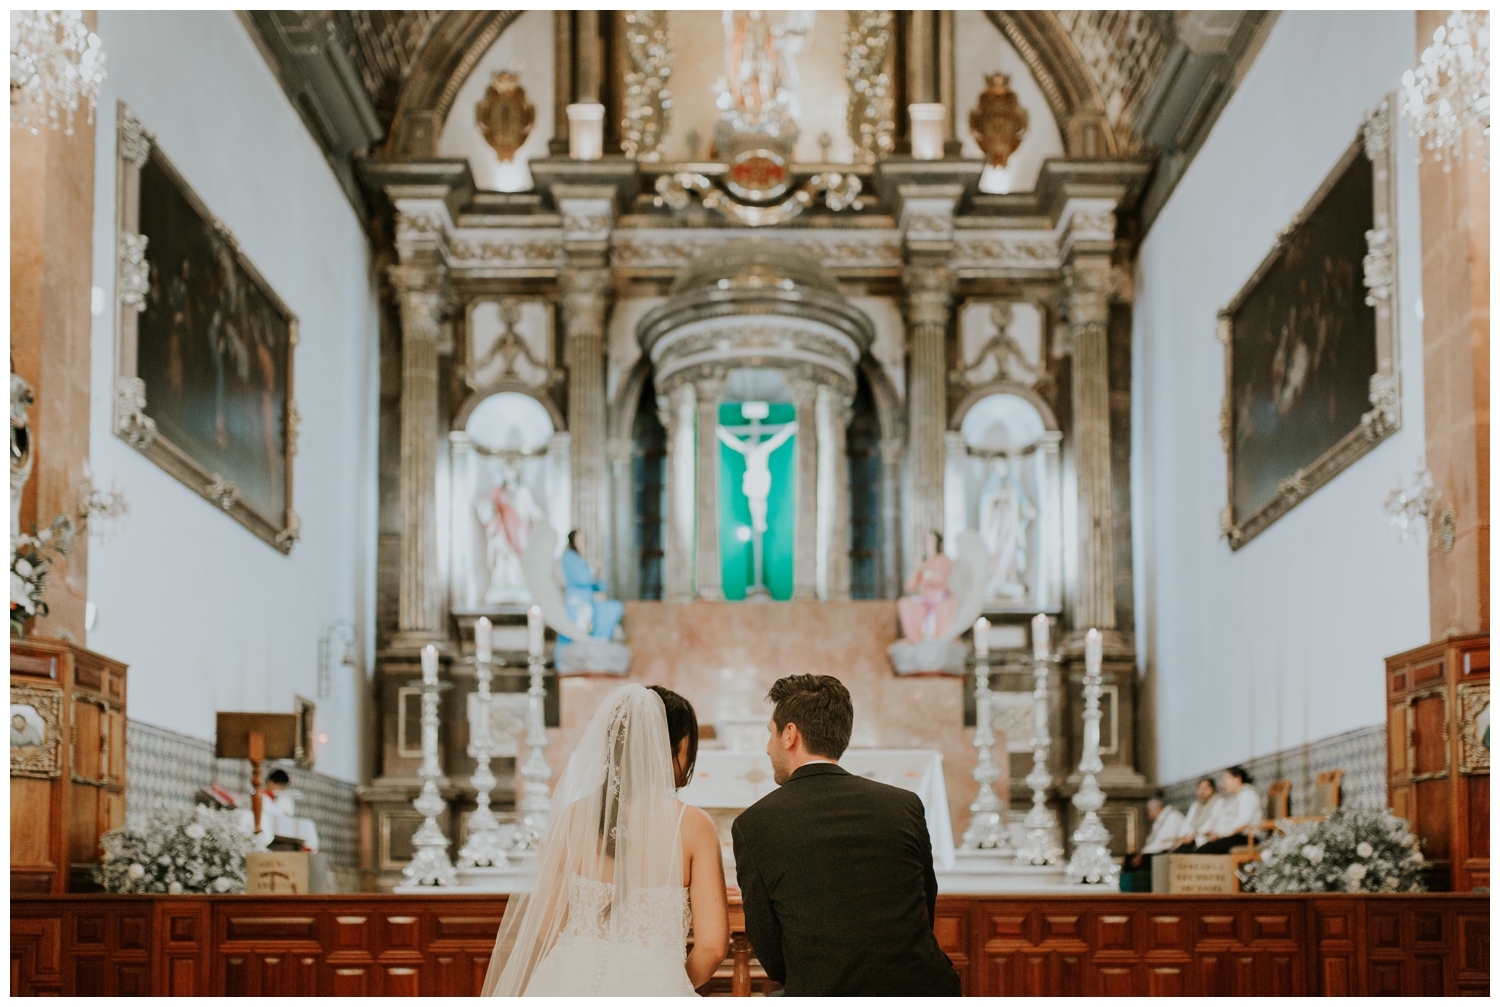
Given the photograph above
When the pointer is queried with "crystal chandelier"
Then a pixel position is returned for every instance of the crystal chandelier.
(1448, 93)
(1409, 508)
(56, 64)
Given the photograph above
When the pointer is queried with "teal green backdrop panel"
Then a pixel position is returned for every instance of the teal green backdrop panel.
(734, 511)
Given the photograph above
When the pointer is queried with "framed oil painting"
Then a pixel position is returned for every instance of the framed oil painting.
(204, 352)
(1311, 374)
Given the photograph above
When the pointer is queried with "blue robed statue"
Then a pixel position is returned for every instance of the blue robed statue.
(583, 593)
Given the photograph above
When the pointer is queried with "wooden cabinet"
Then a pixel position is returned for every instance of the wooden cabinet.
(1437, 755)
(67, 780)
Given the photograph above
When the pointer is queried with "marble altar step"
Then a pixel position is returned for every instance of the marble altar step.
(984, 872)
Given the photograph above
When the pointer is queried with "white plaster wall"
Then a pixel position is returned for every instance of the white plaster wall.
(1281, 642)
(207, 615)
(526, 50)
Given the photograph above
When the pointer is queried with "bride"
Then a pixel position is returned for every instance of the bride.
(625, 868)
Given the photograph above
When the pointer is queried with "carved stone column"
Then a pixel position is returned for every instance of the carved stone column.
(585, 298)
(955, 485)
(710, 577)
(623, 557)
(677, 416)
(832, 572)
(928, 296)
(890, 510)
(1087, 286)
(804, 562)
(422, 291)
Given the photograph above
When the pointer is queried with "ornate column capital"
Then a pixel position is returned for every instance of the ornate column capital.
(585, 299)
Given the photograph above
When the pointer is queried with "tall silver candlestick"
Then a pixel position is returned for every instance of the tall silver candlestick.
(430, 864)
(987, 825)
(536, 805)
(1091, 863)
(1040, 848)
(483, 847)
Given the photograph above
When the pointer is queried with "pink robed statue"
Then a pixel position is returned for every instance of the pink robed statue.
(928, 608)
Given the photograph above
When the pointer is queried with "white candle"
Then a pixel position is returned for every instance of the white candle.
(429, 664)
(482, 639)
(982, 637)
(535, 631)
(1041, 638)
(1093, 651)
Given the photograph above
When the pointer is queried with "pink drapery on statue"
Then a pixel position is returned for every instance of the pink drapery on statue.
(507, 520)
(928, 608)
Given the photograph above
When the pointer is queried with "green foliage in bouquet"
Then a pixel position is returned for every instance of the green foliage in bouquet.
(1355, 850)
(31, 557)
(175, 851)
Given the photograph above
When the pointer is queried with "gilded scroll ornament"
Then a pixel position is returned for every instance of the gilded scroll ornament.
(504, 115)
(1379, 264)
(222, 492)
(135, 141)
(1474, 727)
(291, 534)
(648, 100)
(135, 271)
(998, 121)
(867, 47)
(839, 191)
(35, 732)
(131, 421)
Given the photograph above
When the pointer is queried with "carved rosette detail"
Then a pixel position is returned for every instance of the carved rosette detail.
(291, 534)
(872, 120)
(222, 492)
(648, 100)
(1385, 399)
(131, 421)
(135, 142)
(1377, 130)
(1380, 265)
(135, 271)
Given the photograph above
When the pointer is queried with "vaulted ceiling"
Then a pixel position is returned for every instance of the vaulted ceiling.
(1119, 82)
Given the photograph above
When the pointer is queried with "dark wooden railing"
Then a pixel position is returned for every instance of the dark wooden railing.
(1030, 945)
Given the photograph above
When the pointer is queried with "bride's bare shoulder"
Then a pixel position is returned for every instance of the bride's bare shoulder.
(696, 824)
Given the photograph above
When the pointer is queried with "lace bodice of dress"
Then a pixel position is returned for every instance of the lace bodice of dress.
(654, 917)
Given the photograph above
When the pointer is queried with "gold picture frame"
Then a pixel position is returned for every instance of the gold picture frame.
(198, 330)
(35, 732)
(1326, 295)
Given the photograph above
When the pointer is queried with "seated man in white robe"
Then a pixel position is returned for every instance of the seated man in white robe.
(1239, 812)
(1167, 825)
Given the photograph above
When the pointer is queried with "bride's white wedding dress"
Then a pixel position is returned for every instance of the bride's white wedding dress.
(569, 933)
(642, 956)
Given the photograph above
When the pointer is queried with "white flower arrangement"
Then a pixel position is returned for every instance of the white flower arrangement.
(1354, 850)
(30, 563)
(175, 850)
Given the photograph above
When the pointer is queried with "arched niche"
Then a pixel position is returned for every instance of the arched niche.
(508, 470)
(1003, 478)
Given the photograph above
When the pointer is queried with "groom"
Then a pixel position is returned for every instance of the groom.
(836, 870)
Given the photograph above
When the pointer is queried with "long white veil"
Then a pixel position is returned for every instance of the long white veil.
(614, 821)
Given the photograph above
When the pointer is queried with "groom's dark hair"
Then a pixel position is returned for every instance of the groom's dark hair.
(820, 707)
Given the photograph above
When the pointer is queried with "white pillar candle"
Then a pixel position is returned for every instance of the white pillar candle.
(535, 630)
(586, 132)
(927, 131)
(982, 637)
(482, 639)
(1041, 637)
(429, 664)
(1093, 652)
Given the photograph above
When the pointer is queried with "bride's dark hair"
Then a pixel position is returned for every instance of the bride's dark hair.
(682, 722)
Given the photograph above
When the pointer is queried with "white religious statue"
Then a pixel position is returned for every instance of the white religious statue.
(508, 513)
(1005, 516)
(757, 95)
(21, 456)
(756, 483)
(944, 597)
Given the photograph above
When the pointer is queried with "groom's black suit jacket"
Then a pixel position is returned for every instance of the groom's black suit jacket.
(839, 891)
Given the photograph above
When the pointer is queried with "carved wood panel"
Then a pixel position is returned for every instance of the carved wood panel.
(1065, 945)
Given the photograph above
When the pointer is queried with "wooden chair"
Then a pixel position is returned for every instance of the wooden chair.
(1326, 792)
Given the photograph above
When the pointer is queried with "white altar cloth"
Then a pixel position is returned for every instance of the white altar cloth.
(725, 779)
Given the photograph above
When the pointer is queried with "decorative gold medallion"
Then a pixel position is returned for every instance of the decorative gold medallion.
(504, 115)
(998, 122)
